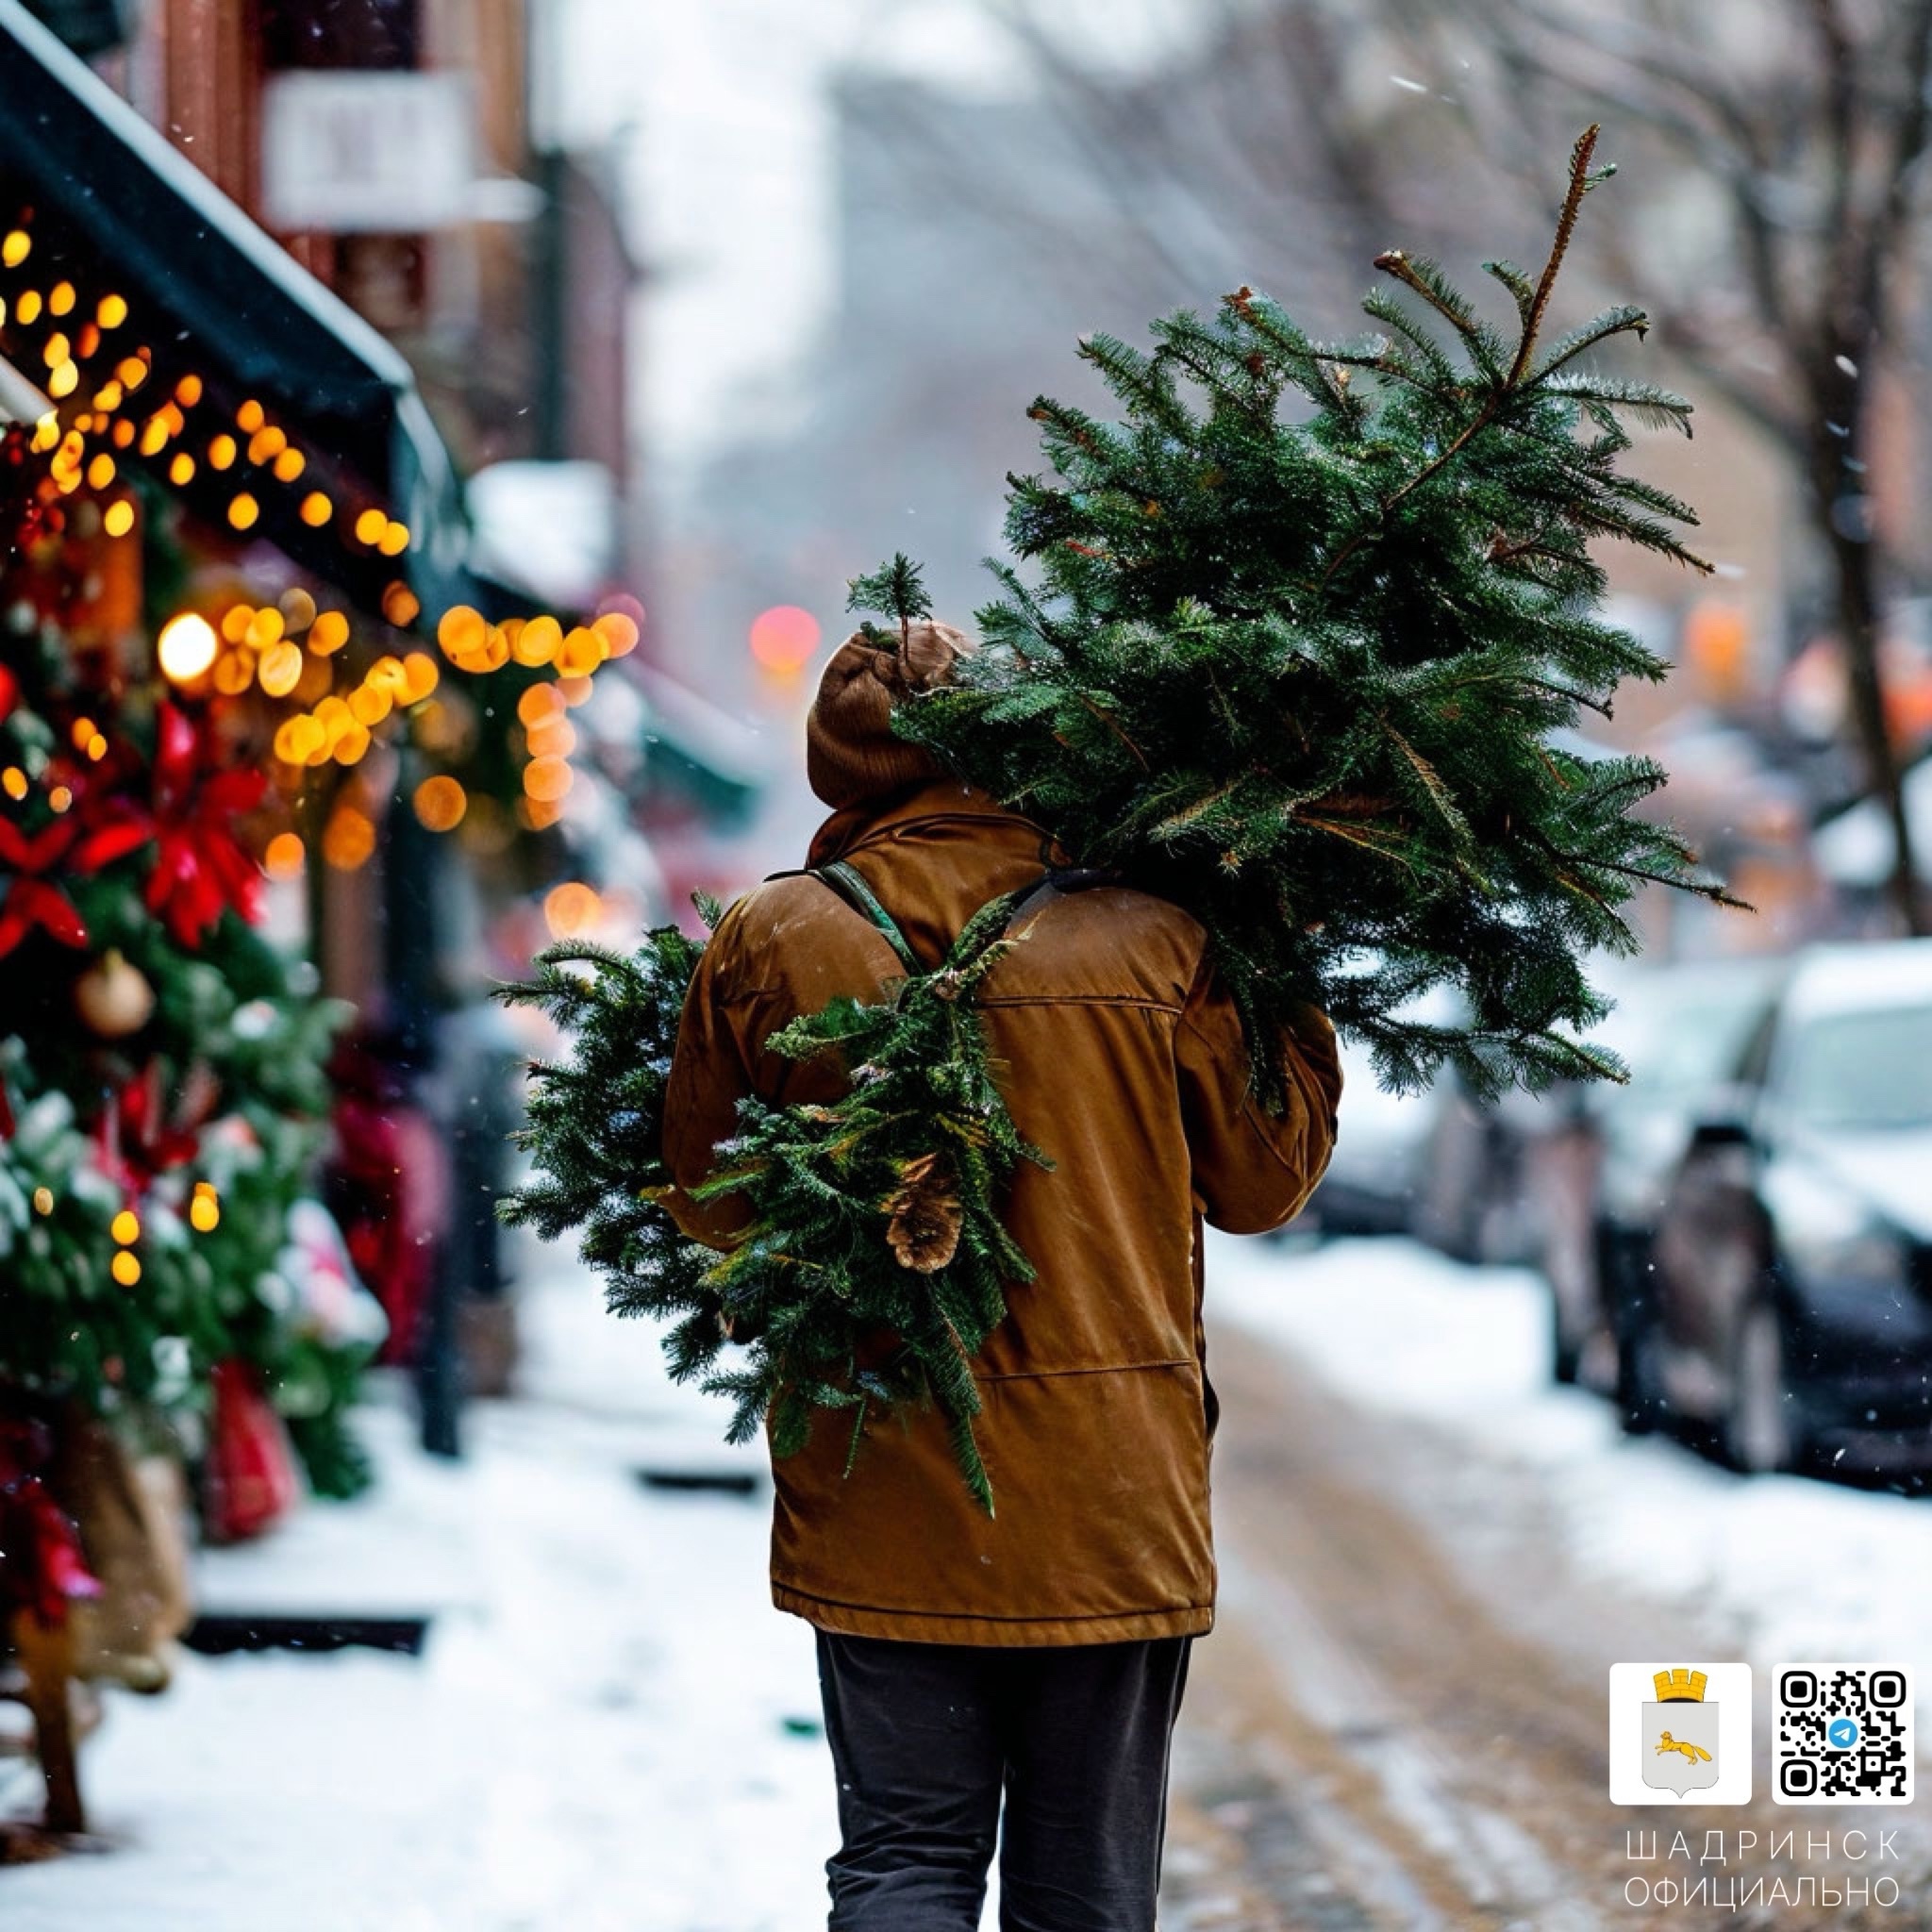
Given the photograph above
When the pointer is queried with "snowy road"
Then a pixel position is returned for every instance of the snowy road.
(1428, 1562)
(1429, 1559)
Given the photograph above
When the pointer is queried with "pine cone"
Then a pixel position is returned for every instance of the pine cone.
(925, 1215)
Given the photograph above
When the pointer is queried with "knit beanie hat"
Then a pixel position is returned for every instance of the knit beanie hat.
(851, 752)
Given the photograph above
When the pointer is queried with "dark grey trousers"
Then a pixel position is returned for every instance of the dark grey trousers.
(926, 1737)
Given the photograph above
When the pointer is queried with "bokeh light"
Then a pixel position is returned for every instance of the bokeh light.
(441, 802)
(287, 857)
(581, 652)
(461, 632)
(547, 780)
(349, 839)
(571, 910)
(784, 638)
(186, 647)
(329, 632)
(537, 642)
(297, 740)
(280, 668)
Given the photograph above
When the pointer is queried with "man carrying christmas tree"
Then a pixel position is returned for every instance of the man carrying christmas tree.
(1036, 1655)
(1290, 677)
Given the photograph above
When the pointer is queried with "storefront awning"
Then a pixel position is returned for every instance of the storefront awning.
(112, 208)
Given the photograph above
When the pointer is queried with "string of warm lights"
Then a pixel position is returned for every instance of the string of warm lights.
(287, 650)
(108, 411)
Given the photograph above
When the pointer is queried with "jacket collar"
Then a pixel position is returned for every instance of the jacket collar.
(894, 814)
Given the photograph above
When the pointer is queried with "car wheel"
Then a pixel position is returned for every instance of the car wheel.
(1640, 1382)
(1626, 1286)
(1763, 1434)
(1566, 1354)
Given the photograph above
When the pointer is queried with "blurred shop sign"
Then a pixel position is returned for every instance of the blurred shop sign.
(371, 153)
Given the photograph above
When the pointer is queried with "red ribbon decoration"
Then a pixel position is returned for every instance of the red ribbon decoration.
(200, 867)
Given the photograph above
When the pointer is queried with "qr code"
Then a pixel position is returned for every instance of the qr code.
(1844, 1735)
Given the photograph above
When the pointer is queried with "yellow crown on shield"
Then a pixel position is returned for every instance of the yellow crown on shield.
(1680, 1685)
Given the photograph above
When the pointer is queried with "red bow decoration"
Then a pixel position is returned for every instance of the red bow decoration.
(35, 900)
(141, 1137)
(200, 867)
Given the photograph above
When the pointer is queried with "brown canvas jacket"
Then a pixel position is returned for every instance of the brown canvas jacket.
(1124, 1061)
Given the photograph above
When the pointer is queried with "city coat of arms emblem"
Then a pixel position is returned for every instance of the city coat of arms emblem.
(1680, 1734)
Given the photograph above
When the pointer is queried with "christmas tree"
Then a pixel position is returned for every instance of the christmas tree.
(162, 1095)
(1304, 630)
(1307, 625)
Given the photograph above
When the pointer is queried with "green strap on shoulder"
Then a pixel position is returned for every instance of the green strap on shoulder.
(850, 884)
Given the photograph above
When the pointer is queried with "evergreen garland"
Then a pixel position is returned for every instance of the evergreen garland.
(876, 1212)
(1301, 673)
(874, 1259)
(594, 1131)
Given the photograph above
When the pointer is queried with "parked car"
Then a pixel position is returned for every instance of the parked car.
(1473, 1199)
(1788, 1302)
(1370, 1183)
(1599, 1169)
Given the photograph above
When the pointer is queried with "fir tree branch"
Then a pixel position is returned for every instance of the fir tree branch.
(1566, 225)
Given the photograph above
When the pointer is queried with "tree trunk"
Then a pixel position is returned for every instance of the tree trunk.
(1858, 623)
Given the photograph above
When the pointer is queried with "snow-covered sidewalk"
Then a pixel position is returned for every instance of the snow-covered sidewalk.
(609, 1727)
